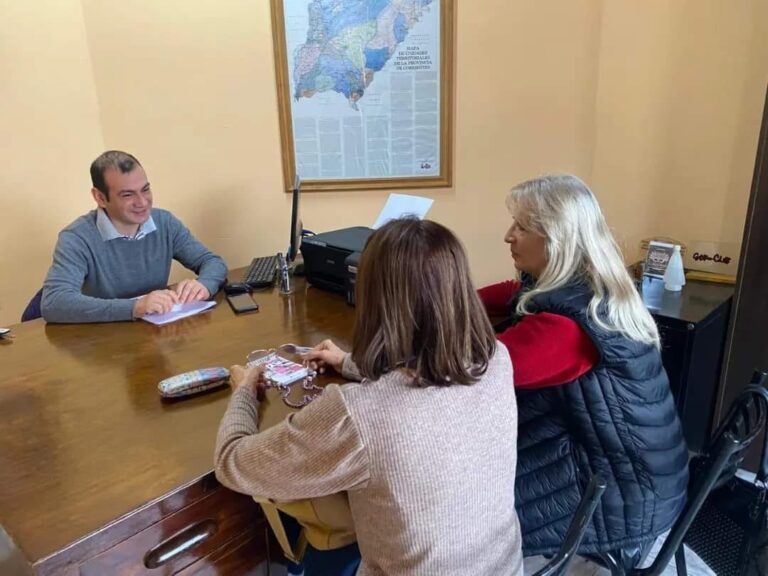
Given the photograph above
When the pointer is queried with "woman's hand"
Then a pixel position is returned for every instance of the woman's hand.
(325, 354)
(253, 377)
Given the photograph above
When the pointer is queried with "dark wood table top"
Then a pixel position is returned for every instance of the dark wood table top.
(84, 436)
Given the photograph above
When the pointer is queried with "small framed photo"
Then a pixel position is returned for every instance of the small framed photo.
(657, 258)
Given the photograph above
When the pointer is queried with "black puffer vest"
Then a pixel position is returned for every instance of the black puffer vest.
(618, 420)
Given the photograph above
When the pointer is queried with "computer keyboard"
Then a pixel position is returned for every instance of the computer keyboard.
(261, 272)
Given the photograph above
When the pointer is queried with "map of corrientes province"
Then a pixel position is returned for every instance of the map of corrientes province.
(348, 41)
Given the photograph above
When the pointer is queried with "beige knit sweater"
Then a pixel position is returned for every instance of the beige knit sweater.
(430, 472)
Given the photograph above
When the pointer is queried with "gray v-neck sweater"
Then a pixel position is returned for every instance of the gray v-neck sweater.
(92, 280)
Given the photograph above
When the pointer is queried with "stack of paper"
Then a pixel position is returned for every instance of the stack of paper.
(401, 206)
(179, 311)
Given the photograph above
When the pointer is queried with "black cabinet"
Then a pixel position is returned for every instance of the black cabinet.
(693, 326)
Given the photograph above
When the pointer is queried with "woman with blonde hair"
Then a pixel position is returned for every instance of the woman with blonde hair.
(593, 396)
(423, 443)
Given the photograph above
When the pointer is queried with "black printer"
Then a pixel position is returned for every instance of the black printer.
(352, 264)
(325, 257)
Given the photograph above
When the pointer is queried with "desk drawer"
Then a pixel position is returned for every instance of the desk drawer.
(179, 539)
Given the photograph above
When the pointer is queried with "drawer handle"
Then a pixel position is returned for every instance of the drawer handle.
(180, 543)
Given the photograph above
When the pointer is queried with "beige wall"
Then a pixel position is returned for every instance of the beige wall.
(679, 104)
(614, 92)
(49, 122)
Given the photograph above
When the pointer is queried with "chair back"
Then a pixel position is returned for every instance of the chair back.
(581, 518)
(745, 420)
(34, 308)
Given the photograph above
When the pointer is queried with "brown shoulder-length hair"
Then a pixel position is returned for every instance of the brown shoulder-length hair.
(417, 309)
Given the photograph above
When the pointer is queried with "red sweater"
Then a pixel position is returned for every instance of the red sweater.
(546, 349)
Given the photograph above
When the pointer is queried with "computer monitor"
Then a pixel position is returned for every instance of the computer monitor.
(296, 227)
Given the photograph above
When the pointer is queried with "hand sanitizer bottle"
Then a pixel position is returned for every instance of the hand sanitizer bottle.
(674, 275)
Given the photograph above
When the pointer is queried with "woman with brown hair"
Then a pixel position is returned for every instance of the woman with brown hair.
(425, 443)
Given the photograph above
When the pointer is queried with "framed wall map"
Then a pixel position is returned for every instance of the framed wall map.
(365, 92)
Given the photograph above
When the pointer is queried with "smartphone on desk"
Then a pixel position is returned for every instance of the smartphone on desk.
(242, 303)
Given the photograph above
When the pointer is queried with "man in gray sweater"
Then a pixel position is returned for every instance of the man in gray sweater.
(113, 263)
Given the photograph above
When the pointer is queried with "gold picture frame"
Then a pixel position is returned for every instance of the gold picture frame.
(444, 176)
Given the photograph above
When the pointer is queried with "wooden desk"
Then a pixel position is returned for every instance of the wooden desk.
(95, 469)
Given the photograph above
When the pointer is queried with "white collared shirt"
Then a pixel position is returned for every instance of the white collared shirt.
(108, 231)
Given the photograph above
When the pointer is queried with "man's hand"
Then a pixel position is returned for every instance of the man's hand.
(325, 354)
(157, 302)
(190, 290)
(253, 377)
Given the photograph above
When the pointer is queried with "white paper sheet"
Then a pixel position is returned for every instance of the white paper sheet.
(400, 205)
(179, 311)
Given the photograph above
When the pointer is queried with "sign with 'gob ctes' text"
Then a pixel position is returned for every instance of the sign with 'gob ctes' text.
(718, 257)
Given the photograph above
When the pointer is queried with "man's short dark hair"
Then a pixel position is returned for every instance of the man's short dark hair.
(111, 159)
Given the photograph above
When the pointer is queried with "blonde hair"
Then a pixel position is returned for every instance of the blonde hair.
(579, 246)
